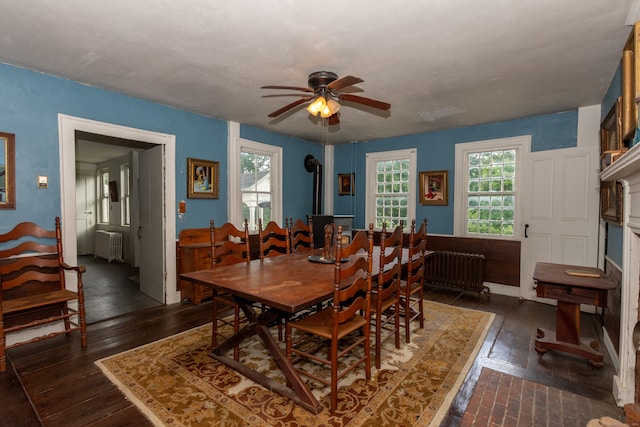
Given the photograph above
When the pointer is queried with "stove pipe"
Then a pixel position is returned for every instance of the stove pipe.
(317, 189)
(313, 165)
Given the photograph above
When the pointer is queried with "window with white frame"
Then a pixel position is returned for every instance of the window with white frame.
(488, 179)
(391, 183)
(103, 191)
(255, 171)
(125, 200)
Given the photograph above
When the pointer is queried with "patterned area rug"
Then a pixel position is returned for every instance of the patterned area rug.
(175, 382)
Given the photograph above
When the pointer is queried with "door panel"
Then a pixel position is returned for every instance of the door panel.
(85, 213)
(542, 190)
(562, 212)
(151, 230)
(575, 250)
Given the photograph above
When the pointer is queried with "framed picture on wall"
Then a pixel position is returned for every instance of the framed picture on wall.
(434, 188)
(630, 87)
(346, 184)
(611, 129)
(611, 202)
(7, 171)
(113, 191)
(203, 179)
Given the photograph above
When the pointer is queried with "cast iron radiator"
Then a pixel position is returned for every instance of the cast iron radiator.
(108, 245)
(459, 270)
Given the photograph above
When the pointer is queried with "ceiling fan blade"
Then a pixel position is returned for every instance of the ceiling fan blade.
(334, 119)
(365, 101)
(289, 106)
(280, 95)
(343, 82)
(304, 89)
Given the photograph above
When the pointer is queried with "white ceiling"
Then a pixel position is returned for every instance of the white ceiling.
(441, 64)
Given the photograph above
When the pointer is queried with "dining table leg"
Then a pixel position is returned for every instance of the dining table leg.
(258, 324)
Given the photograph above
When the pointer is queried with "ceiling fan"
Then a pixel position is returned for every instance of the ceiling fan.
(324, 88)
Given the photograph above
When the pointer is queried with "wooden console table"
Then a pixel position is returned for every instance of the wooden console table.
(571, 286)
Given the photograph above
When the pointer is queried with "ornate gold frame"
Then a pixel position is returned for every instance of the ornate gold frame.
(630, 82)
(434, 188)
(206, 185)
(8, 177)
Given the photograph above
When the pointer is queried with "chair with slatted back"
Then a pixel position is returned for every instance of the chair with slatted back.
(411, 287)
(34, 286)
(343, 326)
(301, 234)
(228, 246)
(274, 240)
(385, 294)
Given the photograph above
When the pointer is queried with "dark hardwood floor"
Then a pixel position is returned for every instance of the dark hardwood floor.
(56, 383)
(111, 289)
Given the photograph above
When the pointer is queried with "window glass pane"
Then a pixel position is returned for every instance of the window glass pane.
(105, 184)
(490, 196)
(104, 203)
(392, 192)
(104, 211)
(256, 188)
(125, 199)
(250, 204)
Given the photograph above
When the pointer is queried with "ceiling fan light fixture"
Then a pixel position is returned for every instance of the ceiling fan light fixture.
(330, 109)
(324, 90)
(317, 105)
(326, 112)
(333, 106)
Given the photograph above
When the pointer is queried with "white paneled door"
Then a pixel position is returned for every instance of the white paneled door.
(151, 231)
(85, 213)
(562, 210)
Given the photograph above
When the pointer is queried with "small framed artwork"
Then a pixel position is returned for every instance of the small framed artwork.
(434, 188)
(7, 170)
(113, 191)
(611, 130)
(346, 184)
(611, 201)
(203, 179)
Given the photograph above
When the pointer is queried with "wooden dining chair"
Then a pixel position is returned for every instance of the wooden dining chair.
(385, 294)
(348, 315)
(228, 246)
(274, 240)
(34, 286)
(411, 287)
(301, 234)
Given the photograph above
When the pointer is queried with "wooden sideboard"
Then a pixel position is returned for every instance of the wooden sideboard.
(193, 253)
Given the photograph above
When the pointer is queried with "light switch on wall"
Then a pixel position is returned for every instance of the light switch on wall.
(43, 181)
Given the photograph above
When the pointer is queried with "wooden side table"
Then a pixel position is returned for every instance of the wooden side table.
(571, 286)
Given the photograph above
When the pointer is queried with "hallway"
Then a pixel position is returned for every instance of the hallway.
(111, 289)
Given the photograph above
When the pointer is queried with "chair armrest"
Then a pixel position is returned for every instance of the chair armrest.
(79, 269)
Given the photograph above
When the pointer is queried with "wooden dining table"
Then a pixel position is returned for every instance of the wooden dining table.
(284, 285)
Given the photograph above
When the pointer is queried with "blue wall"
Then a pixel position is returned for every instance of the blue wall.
(30, 108)
(436, 151)
(33, 101)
